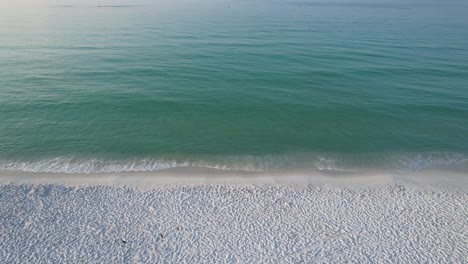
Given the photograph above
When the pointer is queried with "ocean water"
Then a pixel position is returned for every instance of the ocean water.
(245, 85)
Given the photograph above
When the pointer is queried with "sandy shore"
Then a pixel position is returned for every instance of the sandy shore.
(453, 177)
(198, 215)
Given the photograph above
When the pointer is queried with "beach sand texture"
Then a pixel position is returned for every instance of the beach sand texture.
(231, 223)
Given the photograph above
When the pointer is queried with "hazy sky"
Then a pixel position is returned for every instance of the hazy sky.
(91, 2)
(96, 2)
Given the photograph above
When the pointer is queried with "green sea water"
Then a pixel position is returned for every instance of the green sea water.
(248, 85)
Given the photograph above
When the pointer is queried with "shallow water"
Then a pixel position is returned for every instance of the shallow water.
(252, 85)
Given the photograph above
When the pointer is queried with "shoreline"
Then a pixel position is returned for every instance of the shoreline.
(440, 177)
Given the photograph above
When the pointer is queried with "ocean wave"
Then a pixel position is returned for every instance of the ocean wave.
(72, 165)
(420, 161)
(396, 162)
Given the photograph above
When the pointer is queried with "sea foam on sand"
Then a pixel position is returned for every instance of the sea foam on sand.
(48, 221)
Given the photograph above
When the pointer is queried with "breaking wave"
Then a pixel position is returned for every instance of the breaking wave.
(330, 162)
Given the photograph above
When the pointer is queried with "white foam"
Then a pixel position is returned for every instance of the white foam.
(419, 161)
(73, 165)
(391, 162)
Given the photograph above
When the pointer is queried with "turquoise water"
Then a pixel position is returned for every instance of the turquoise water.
(251, 85)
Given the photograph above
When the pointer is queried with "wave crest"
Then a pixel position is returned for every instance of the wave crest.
(72, 165)
(396, 162)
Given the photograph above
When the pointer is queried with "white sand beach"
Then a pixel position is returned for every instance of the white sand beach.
(176, 216)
